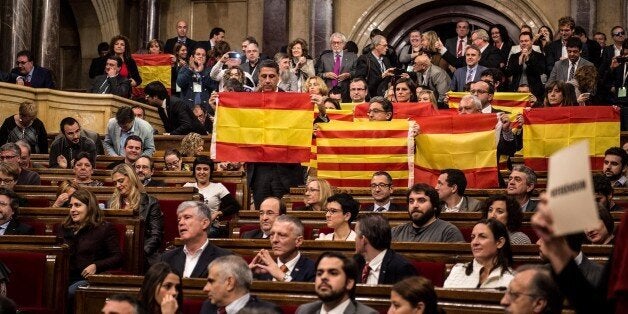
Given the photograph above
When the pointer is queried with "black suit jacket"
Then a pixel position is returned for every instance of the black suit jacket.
(491, 57)
(179, 119)
(254, 303)
(176, 259)
(368, 68)
(169, 46)
(394, 268)
(42, 77)
(535, 67)
(15, 227)
(393, 208)
(95, 68)
(553, 52)
(605, 60)
(304, 271)
(157, 183)
(117, 85)
(253, 234)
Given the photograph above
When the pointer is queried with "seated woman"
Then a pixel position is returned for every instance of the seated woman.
(426, 95)
(316, 193)
(316, 86)
(506, 210)
(173, 161)
(84, 169)
(93, 242)
(215, 194)
(25, 125)
(192, 145)
(341, 210)
(161, 291)
(64, 192)
(492, 258)
(129, 195)
(413, 295)
(404, 90)
(603, 234)
(559, 94)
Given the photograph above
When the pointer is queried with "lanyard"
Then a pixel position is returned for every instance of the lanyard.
(624, 77)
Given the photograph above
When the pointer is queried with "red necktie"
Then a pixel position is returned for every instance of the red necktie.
(284, 268)
(365, 273)
(221, 310)
(459, 49)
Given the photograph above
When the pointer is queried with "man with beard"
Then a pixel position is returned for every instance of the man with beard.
(380, 264)
(144, 168)
(615, 160)
(423, 207)
(287, 80)
(335, 287)
(64, 149)
(381, 189)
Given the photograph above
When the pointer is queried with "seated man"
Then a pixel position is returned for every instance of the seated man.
(121, 304)
(378, 262)
(112, 82)
(25, 156)
(191, 260)
(124, 125)
(335, 287)
(65, 148)
(615, 161)
(604, 193)
(270, 209)
(228, 283)
(286, 236)
(381, 189)
(10, 153)
(144, 168)
(425, 226)
(450, 186)
(521, 183)
(176, 115)
(132, 151)
(590, 269)
(9, 222)
(380, 109)
(532, 290)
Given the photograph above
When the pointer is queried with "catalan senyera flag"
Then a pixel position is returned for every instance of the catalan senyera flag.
(349, 152)
(547, 130)
(263, 127)
(152, 68)
(401, 110)
(465, 142)
(348, 105)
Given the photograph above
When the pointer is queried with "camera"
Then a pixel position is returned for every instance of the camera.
(234, 55)
(399, 71)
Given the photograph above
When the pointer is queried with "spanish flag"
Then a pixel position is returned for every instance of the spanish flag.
(547, 130)
(152, 68)
(401, 110)
(263, 127)
(465, 142)
(349, 152)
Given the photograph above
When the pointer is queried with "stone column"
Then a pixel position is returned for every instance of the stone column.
(585, 14)
(46, 36)
(149, 22)
(17, 18)
(275, 26)
(321, 25)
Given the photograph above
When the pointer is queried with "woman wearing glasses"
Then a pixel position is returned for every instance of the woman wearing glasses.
(341, 210)
(316, 193)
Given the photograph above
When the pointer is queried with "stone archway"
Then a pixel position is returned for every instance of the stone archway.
(392, 16)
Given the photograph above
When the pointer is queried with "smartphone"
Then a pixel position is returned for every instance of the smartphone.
(399, 71)
(234, 55)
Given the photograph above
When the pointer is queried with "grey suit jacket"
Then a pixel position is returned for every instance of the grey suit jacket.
(591, 270)
(354, 307)
(438, 81)
(561, 68)
(469, 204)
(460, 78)
(326, 64)
(141, 128)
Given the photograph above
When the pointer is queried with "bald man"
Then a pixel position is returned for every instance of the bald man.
(435, 78)
(270, 209)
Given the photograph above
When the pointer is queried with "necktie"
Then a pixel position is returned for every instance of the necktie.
(381, 64)
(380, 209)
(284, 268)
(572, 70)
(336, 69)
(365, 273)
(469, 75)
(459, 49)
(221, 310)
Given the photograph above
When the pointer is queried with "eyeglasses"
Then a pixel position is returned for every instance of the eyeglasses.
(619, 34)
(7, 157)
(6, 181)
(478, 91)
(333, 211)
(172, 164)
(515, 295)
(380, 185)
(357, 89)
(375, 111)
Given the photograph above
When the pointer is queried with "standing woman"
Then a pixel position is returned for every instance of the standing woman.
(180, 61)
(119, 46)
(129, 195)
(161, 291)
(155, 47)
(500, 39)
(93, 243)
(301, 64)
(543, 38)
(409, 52)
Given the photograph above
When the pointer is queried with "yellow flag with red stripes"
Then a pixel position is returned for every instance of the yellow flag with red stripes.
(152, 68)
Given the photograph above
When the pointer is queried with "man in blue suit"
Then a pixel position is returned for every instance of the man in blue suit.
(471, 72)
(28, 74)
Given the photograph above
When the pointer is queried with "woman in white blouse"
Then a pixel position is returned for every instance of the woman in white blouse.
(341, 210)
(492, 258)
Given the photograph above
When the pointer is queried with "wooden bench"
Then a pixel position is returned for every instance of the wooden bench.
(162, 142)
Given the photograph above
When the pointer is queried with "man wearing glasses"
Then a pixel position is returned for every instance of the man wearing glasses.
(9, 224)
(381, 190)
(28, 74)
(374, 66)
(269, 210)
(335, 64)
(532, 290)
(358, 91)
(10, 153)
(610, 52)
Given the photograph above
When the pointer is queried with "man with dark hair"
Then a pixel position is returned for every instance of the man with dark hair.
(358, 90)
(138, 111)
(532, 290)
(121, 304)
(557, 50)
(381, 190)
(144, 168)
(9, 207)
(521, 183)
(380, 264)
(603, 190)
(216, 35)
(132, 151)
(527, 66)
(112, 82)
(28, 74)
(335, 287)
(601, 39)
(615, 160)
(65, 148)
(593, 47)
(380, 109)
(612, 51)
(450, 186)
(176, 115)
(565, 69)
(182, 37)
(124, 125)
(457, 44)
(271, 208)
(425, 226)
(10, 153)
(194, 79)
(471, 72)
(591, 270)
(98, 63)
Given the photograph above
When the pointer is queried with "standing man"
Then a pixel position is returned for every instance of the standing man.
(375, 67)
(28, 74)
(111, 82)
(456, 45)
(557, 50)
(565, 69)
(216, 35)
(435, 78)
(123, 125)
(335, 287)
(270, 209)
(527, 66)
(381, 190)
(450, 186)
(335, 66)
(469, 73)
(253, 59)
(612, 51)
(64, 149)
(176, 115)
(490, 56)
(182, 37)
(358, 90)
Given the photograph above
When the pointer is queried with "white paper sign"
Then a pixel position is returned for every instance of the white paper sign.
(570, 190)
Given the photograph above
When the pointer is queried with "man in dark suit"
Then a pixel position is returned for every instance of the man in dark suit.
(95, 68)
(592, 271)
(375, 67)
(269, 210)
(28, 74)
(490, 56)
(144, 168)
(381, 190)
(456, 45)
(9, 223)
(335, 65)
(228, 283)
(527, 66)
(469, 73)
(521, 183)
(450, 186)
(112, 82)
(378, 262)
(251, 65)
(557, 50)
(216, 35)
(593, 47)
(176, 115)
(611, 51)
(182, 33)
(191, 260)
(335, 286)
(565, 69)
(286, 236)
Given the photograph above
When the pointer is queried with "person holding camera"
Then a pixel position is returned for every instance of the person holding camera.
(619, 79)
(194, 80)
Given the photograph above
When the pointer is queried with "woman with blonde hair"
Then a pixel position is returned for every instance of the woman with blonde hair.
(316, 193)
(316, 86)
(25, 126)
(428, 47)
(192, 145)
(426, 95)
(129, 195)
(64, 193)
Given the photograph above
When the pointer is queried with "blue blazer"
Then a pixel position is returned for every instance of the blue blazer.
(460, 77)
(42, 77)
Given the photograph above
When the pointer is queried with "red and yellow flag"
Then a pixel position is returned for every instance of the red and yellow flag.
(465, 142)
(349, 152)
(401, 110)
(263, 127)
(509, 102)
(152, 68)
(547, 130)
(335, 114)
